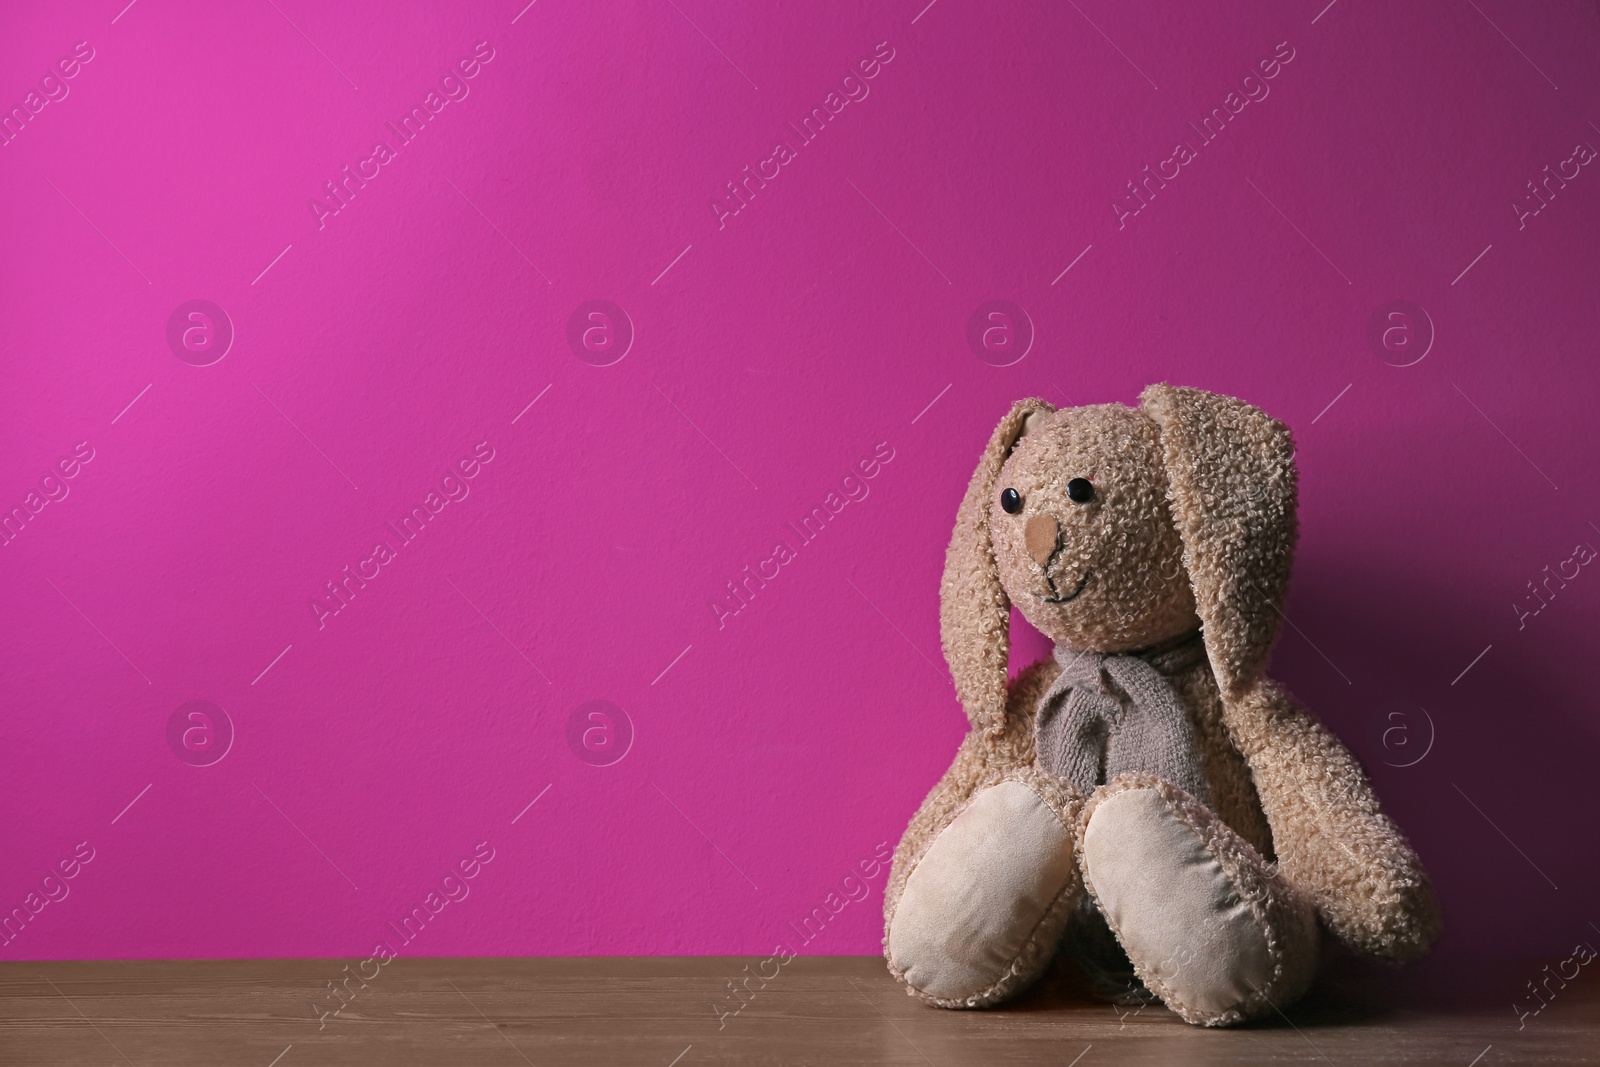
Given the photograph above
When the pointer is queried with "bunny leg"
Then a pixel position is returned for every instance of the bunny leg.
(982, 907)
(1210, 926)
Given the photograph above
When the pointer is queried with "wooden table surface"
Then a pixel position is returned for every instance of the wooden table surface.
(822, 1010)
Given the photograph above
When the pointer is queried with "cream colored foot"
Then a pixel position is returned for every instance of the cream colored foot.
(983, 908)
(1208, 924)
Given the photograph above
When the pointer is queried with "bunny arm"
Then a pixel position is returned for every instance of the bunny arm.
(1329, 834)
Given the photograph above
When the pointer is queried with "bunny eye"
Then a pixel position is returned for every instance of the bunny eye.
(1011, 501)
(1080, 491)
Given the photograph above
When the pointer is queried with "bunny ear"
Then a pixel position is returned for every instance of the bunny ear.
(1231, 482)
(974, 611)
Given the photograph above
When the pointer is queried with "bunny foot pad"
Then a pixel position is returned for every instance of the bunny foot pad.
(1209, 926)
(986, 904)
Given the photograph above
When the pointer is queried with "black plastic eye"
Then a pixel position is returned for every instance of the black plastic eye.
(1011, 501)
(1080, 491)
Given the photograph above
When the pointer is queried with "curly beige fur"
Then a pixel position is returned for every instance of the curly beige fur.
(1192, 523)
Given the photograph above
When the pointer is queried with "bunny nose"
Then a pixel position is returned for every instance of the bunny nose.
(1041, 534)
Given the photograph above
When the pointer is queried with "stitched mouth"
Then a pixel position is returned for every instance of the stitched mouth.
(1070, 596)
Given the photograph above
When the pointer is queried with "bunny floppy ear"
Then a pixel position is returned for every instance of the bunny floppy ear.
(1231, 484)
(974, 610)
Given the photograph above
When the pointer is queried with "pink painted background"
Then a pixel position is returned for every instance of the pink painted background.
(773, 349)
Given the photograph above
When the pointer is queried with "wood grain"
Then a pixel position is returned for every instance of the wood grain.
(822, 1010)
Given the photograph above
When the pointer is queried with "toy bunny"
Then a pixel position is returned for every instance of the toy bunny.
(1148, 780)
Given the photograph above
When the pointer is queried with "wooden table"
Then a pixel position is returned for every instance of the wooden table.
(823, 1010)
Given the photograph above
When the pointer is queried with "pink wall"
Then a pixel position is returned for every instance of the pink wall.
(772, 351)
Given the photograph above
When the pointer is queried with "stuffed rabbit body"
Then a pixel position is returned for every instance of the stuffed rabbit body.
(1148, 774)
